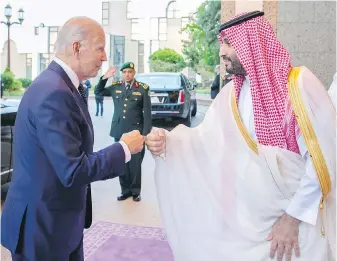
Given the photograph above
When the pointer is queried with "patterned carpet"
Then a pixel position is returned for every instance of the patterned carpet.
(118, 242)
(106, 241)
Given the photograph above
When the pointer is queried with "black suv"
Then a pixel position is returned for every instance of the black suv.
(8, 116)
(172, 96)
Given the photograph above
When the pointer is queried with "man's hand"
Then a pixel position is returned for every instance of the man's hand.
(155, 141)
(134, 140)
(109, 73)
(284, 237)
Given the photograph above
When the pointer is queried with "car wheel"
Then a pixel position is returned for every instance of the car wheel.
(194, 111)
(188, 120)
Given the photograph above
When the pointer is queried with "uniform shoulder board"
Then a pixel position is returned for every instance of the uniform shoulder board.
(145, 86)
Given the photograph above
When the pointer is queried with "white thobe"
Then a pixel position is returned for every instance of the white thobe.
(305, 203)
(333, 90)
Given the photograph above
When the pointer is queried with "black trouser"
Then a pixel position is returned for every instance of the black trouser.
(98, 103)
(131, 181)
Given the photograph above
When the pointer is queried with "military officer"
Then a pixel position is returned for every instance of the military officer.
(132, 111)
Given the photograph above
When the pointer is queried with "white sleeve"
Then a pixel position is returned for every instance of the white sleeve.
(126, 151)
(305, 203)
(333, 90)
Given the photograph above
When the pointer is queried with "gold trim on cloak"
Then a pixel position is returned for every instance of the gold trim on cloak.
(307, 131)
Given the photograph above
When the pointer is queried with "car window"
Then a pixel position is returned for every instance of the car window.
(155, 80)
(188, 83)
(183, 83)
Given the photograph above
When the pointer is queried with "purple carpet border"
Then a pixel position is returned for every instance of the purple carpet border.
(100, 232)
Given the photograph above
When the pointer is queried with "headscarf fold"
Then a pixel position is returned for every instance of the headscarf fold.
(267, 64)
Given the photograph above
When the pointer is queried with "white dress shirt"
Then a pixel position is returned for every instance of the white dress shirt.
(76, 82)
(305, 203)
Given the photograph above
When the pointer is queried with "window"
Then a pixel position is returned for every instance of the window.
(53, 32)
(29, 65)
(160, 79)
(129, 9)
(105, 13)
(187, 82)
(162, 29)
(172, 10)
(44, 61)
(36, 30)
(117, 49)
(136, 29)
(154, 46)
(154, 28)
(140, 57)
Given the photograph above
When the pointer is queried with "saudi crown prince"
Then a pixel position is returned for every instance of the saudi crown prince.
(256, 179)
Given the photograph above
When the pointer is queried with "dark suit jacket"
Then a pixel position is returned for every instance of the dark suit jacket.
(215, 87)
(53, 164)
(132, 107)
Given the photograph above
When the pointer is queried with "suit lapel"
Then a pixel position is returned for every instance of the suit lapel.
(79, 100)
(84, 109)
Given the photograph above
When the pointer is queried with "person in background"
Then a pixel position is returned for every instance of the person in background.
(215, 87)
(132, 110)
(99, 103)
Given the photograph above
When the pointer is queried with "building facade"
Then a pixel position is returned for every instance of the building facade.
(131, 35)
(306, 28)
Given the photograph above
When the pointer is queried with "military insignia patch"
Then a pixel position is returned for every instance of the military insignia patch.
(131, 65)
(114, 83)
(118, 91)
(144, 85)
(136, 93)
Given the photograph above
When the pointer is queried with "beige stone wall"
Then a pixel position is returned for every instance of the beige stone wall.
(306, 28)
(308, 31)
(18, 60)
(174, 37)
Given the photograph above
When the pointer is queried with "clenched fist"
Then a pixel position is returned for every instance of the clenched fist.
(156, 141)
(134, 140)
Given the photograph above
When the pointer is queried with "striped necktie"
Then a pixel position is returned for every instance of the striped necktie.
(83, 94)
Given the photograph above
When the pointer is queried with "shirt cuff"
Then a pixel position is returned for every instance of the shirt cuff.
(305, 203)
(126, 151)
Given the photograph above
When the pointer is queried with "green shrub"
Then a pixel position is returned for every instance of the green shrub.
(25, 82)
(8, 78)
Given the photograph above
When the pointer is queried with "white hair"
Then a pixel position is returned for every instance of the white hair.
(76, 29)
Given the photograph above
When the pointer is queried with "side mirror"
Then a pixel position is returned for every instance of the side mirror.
(195, 85)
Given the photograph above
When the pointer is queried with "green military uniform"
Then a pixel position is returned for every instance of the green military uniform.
(132, 111)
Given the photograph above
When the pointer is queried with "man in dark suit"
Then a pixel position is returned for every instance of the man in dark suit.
(215, 87)
(49, 203)
(132, 110)
(87, 85)
(99, 103)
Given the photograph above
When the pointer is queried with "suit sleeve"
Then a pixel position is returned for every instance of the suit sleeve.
(58, 125)
(147, 116)
(100, 89)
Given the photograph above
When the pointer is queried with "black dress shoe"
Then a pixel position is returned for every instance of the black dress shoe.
(136, 198)
(124, 196)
